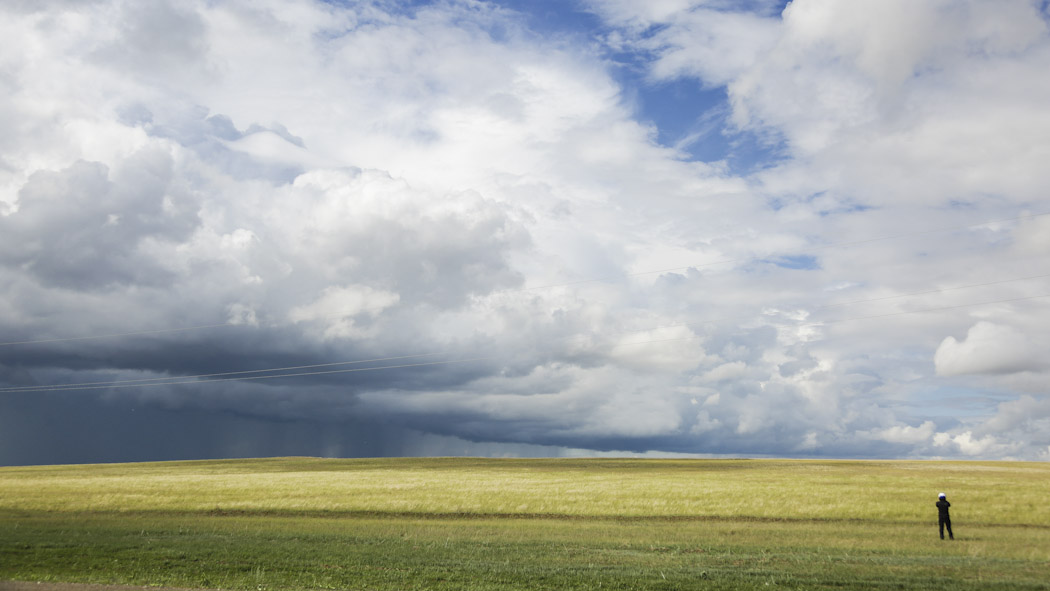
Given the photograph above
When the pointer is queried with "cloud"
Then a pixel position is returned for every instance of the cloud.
(1025, 413)
(709, 40)
(898, 115)
(337, 307)
(164, 41)
(968, 445)
(906, 434)
(437, 183)
(988, 349)
(84, 228)
(874, 104)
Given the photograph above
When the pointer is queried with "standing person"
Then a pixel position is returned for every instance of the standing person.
(942, 514)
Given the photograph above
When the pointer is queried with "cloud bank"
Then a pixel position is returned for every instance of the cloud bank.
(467, 236)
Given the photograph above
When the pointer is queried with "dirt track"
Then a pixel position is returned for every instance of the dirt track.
(21, 586)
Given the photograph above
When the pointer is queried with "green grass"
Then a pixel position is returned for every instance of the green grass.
(300, 523)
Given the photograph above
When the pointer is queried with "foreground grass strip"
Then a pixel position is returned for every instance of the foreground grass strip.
(404, 553)
(239, 525)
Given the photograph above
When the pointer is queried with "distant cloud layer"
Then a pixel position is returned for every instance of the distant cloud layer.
(485, 209)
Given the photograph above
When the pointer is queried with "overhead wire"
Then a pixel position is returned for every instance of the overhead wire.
(803, 250)
(168, 379)
(249, 378)
(230, 324)
(926, 310)
(241, 375)
(941, 290)
(578, 282)
(244, 375)
(192, 380)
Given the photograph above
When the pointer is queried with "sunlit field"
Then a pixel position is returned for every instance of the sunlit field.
(302, 523)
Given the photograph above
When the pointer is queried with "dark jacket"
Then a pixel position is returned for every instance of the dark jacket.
(942, 508)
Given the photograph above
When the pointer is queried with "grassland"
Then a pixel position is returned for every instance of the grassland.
(301, 523)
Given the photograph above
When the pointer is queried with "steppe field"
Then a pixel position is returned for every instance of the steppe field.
(305, 523)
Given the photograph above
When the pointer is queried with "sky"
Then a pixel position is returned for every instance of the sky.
(753, 228)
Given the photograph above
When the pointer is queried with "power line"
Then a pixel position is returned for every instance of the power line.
(940, 309)
(184, 380)
(904, 295)
(582, 281)
(224, 376)
(248, 378)
(804, 250)
(839, 304)
(168, 379)
(230, 324)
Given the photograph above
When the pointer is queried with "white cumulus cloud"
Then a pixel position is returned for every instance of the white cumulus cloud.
(988, 348)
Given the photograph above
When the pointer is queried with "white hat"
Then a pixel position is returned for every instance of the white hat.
(940, 496)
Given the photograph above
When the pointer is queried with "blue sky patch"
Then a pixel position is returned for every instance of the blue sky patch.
(800, 262)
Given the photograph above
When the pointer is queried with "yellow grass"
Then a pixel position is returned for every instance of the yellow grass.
(1002, 493)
